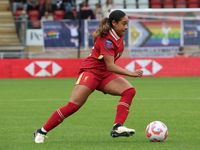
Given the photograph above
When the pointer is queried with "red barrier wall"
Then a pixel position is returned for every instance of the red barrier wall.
(59, 68)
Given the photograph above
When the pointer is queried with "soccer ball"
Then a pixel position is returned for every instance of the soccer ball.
(156, 131)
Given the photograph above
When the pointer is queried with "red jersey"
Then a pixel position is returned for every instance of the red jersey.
(111, 44)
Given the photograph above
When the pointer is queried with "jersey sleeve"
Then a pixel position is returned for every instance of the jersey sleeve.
(107, 47)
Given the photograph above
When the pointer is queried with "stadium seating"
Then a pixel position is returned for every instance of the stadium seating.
(143, 4)
(193, 1)
(193, 4)
(119, 4)
(168, 5)
(131, 4)
(168, 1)
(180, 5)
(34, 14)
(59, 14)
(156, 4)
(34, 17)
(181, 1)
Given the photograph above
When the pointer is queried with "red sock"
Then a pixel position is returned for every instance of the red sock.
(124, 105)
(59, 115)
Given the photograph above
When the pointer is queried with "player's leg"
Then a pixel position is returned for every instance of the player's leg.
(85, 85)
(120, 86)
(117, 86)
(78, 98)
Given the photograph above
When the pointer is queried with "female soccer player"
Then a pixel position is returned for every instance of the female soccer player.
(99, 72)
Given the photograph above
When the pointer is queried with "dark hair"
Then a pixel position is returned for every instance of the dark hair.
(106, 24)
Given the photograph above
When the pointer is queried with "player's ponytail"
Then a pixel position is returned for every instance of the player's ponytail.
(103, 28)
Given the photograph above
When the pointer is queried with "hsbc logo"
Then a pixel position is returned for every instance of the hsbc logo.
(43, 68)
(149, 67)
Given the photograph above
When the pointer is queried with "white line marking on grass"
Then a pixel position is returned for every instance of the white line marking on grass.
(92, 99)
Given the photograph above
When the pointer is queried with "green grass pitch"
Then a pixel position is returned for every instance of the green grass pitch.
(26, 105)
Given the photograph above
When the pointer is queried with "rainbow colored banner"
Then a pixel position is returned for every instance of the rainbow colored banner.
(191, 32)
(155, 33)
(51, 33)
(62, 35)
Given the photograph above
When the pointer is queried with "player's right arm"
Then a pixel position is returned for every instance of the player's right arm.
(111, 66)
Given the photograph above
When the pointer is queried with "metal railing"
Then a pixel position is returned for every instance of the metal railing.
(13, 33)
(44, 55)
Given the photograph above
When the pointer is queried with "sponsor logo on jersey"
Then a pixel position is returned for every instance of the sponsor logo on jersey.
(85, 78)
(108, 44)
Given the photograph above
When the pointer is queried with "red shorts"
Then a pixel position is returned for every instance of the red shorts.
(93, 81)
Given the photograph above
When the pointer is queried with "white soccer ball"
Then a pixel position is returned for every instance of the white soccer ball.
(156, 131)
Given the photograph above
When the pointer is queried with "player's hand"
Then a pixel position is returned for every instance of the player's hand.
(138, 73)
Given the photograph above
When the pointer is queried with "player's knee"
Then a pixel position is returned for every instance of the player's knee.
(129, 92)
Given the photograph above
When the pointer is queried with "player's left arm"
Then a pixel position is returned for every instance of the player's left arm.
(111, 66)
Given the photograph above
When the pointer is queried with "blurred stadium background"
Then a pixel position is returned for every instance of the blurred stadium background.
(158, 29)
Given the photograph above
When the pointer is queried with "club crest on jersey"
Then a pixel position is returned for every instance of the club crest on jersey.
(108, 44)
